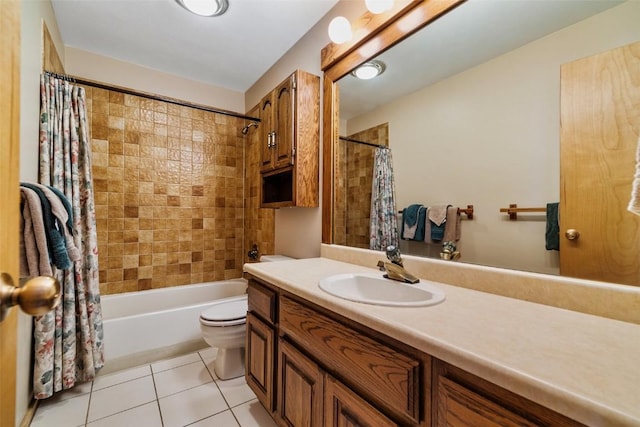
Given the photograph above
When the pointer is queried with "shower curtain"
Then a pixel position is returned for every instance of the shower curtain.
(68, 346)
(383, 230)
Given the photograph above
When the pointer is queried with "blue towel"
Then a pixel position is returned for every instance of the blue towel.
(552, 232)
(53, 229)
(413, 216)
(67, 206)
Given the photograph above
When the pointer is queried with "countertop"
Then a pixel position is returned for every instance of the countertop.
(583, 366)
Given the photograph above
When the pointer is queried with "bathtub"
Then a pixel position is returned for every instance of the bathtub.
(141, 327)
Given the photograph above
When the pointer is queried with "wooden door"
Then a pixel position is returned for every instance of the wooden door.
(600, 126)
(260, 360)
(9, 194)
(266, 130)
(284, 122)
(300, 388)
(344, 408)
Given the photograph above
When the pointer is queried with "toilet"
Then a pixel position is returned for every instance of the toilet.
(223, 326)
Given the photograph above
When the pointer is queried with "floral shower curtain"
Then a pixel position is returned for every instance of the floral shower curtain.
(68, 346)
(383, 228)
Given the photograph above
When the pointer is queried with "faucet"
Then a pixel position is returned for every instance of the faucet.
(394, 269)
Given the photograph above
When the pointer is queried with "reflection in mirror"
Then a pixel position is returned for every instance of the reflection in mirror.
(471, 109)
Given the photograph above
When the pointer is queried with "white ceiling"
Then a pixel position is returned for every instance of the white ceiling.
(231, 51)
(471, 34)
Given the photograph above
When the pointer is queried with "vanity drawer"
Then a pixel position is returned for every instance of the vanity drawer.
(262, 301)
(386, 376)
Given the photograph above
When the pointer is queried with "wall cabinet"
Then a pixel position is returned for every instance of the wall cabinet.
(331, 371)
(289, 142)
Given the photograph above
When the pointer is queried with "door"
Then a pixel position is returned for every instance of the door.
(9, 195)
(266, 132)
(600, 126)
(260, 360)
(284, 122)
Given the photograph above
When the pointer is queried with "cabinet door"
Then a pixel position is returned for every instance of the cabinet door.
(461, 407)
(300, 388)
(266, 131)
(344, 408)
(260, 360)
(284, 122)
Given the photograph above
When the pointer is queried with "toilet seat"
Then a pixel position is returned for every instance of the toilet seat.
(229, 312)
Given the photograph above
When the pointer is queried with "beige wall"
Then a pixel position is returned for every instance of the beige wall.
(299, 230)
(127, 75)
(489, 137)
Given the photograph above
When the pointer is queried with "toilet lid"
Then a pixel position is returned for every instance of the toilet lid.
(227, 311)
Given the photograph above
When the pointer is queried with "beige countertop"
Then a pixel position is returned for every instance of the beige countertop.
(583, 366)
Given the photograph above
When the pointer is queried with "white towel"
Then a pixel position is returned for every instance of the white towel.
(634, 203)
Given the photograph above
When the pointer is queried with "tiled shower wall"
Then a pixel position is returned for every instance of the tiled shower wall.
(168, 191)
(354, 174)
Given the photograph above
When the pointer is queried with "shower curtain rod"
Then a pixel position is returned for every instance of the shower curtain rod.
(77, 80)
(363, 142)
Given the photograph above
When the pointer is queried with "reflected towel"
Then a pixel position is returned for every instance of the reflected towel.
(552, 233)
(438, 217)
(452, 228)
(413, 219)
(634, 203)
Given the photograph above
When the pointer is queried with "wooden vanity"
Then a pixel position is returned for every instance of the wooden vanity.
(313, 359)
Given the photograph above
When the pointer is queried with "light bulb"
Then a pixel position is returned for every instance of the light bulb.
(378, 6)
(340, 30)
(205, 7)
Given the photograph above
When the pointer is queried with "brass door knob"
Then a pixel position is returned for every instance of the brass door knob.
(572, 234)
(38, 296)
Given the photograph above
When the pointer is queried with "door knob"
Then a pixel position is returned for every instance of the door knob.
(38, 296)
(572, 234)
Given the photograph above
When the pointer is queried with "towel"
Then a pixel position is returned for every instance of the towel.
(33, 238)
(413, 219)
(634, 203)
(53, 229)
(438, 217)
(552, 233)
(453, 228)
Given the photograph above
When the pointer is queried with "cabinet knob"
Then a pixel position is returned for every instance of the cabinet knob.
(572, 234)
(38, 296)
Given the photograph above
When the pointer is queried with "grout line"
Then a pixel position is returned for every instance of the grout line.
(86, 416)
(155, 390)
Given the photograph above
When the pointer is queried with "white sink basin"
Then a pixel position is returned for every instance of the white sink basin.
(375, 289)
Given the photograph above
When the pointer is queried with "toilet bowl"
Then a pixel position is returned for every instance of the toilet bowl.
(223, 326)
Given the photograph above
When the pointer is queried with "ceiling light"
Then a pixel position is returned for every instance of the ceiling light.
(205, 7)
(340, 30)
(369, 70)
(378, 6)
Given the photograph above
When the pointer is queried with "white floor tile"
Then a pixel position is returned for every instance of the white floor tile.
(253, 414)
(55, 412)
(75, 391)
(120, 397)
(163, 365)
(104, 381)
(236, 391)
(223, 419)
(209, 356)
(142, 416)
(191, 405)
(181, 378)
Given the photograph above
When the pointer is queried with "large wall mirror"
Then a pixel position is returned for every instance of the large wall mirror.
(469, 104)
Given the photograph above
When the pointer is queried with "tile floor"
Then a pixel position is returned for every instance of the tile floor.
(183, 391)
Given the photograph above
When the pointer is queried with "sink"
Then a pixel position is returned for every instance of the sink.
(375, 289)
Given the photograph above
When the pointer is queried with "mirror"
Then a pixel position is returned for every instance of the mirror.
(471, 106)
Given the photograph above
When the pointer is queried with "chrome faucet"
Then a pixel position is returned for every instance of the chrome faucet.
(394, 269)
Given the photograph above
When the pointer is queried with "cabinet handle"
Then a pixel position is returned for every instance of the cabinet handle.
(273, 140)
(269, 141)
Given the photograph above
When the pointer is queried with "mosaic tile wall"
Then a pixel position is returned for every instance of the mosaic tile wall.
(168, 190)
(354, 175)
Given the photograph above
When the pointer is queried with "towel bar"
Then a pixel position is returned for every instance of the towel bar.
(468, 211)
(513, 210)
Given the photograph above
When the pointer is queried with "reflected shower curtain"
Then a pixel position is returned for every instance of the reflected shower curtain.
(383, 228)
(68, 346)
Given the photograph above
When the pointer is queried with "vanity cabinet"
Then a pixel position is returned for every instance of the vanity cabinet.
(289, 142)
(327, 370)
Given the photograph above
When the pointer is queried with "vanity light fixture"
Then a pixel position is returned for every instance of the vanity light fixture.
(205, 7)
(369, 70)
(340, 27)
(340, 30)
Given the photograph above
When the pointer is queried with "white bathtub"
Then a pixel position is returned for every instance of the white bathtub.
(142, 326)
